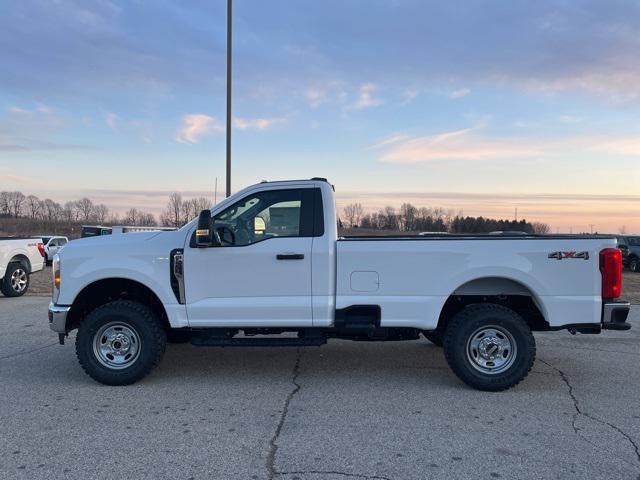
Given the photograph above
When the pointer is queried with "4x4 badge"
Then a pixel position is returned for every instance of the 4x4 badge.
(563, 255)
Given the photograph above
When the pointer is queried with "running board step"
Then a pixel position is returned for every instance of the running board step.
(218, 341)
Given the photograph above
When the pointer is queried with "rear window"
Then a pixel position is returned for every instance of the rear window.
(634, 241)
(45, 240)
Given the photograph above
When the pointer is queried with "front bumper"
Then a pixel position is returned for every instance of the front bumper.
(614, 315)
(58, 317)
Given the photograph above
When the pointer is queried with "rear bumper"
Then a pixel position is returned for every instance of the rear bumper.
(58, 317)
(614, 315)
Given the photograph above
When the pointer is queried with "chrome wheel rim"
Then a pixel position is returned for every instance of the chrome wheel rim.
(491, 350)
(116, 345)
(18, 280)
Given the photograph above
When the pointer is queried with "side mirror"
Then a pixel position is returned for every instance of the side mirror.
(204, 232)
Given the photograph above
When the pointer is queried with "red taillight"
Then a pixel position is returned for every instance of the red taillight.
(611, 269)
(41, 249)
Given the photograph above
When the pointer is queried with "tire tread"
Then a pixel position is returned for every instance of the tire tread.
(126, 376)
(452, 345)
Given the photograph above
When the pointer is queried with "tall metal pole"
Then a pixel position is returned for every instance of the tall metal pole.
(229, 45)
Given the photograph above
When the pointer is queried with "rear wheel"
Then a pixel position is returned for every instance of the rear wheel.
(634, 264)
(489, 347)
(16, 280)
(120, 342)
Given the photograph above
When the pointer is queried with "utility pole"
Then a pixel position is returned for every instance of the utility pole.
(215, 193)
(516, 214)
(591, 225)
(229, 45)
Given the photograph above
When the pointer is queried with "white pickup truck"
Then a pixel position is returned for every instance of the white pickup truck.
(265, 267)
(19, 258)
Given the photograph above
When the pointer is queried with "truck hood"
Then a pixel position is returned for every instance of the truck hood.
(124, 244)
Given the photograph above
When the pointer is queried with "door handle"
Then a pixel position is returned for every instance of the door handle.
(290, 256)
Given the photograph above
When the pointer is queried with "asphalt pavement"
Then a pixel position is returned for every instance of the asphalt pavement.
(342, 411)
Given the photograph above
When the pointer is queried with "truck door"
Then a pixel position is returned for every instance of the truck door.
(260, 273)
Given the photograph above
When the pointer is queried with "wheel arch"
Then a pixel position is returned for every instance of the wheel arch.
(110, 289)
(499, 290)
(23, 260)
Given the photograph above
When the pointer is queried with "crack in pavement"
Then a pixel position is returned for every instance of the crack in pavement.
(25, 352)
(580, 412)
(330, 472)
(273, 443)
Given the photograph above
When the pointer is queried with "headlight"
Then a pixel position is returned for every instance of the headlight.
(56, 277)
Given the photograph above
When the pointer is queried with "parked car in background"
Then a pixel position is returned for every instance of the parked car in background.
(512, 233)
(94, 231)
(630, 247)
(52, 245)
(98, 230)
(19, 258)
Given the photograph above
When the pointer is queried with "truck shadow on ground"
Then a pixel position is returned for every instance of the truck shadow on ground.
(339, 361)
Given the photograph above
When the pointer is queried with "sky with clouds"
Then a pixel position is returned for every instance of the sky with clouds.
(476, 105)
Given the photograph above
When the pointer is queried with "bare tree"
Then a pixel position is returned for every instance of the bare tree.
(16, 203)
(353, 214)
(4, 203)
(390, 218)
(33, 206)
(199, 204)
(408, 215)
(69, 212)
(172, 215)
(139, 218)
(132, 217)
(114, 219)
(84, 208)
(51, 210)
(147, 220)
(540, 228)
(100, 213)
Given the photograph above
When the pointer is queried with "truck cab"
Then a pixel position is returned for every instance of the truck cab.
(265, 267)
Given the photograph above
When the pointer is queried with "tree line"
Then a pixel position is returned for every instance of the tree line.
(178, 211)
(17, 205)
(427, 219)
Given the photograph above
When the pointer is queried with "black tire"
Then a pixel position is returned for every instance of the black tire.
(10, 287)
(434, 336)
(634, 264)
(178, 336)
(468, 326)
(150, 338)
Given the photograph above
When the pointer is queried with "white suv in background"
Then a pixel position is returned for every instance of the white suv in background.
(52, 245)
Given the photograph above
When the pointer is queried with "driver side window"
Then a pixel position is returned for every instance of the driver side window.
(263, 215)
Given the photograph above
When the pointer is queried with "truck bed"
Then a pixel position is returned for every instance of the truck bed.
(411, 278)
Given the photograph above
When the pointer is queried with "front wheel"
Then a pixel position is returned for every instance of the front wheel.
(16, 280)
(489, 347)
(634, 265)
(120, 342)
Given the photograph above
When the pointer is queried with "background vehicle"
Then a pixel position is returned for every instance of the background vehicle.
(268, 261)
(630, 247)
(94, 231)
(52, 245)
(19, 257)
(97, 230)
